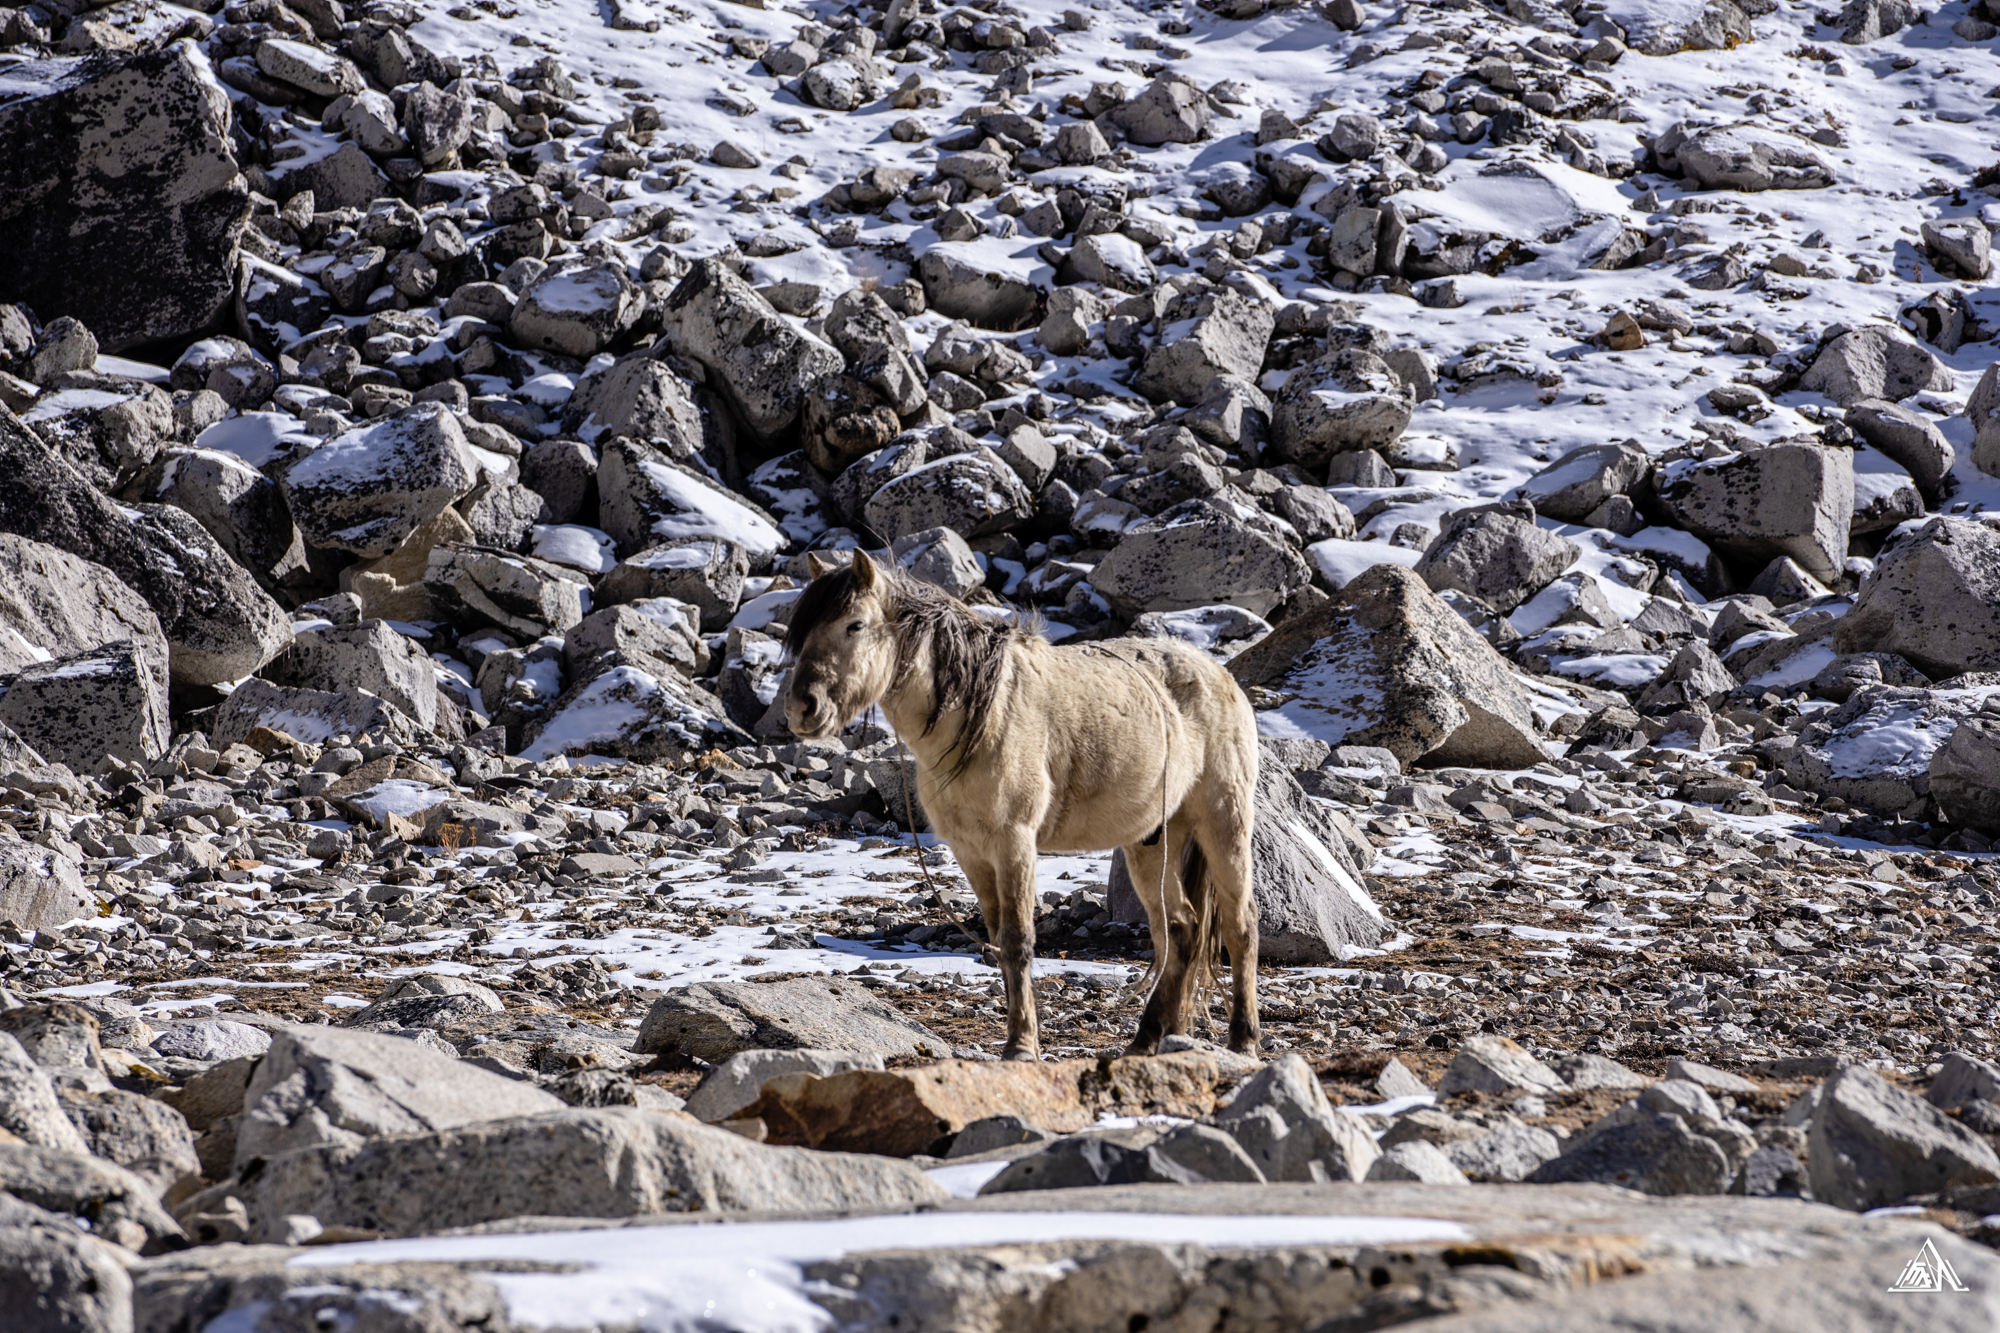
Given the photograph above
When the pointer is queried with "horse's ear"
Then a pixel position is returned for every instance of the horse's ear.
(864, 572)
(815, 566)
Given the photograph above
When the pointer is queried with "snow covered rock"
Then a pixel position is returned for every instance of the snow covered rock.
(1113, 261)
(1307, 865)
(1785, 500)
(1865, 21)
(1225, 334)
(658, 635)
(313, 716)
(218, 623)
(106, 435)
(973, 494)
(1571, 488)
(577, 310)
(706, 573)
(1386, 663)
(53, 604)
(110, 700)
(41, 887)
(130, 167)
(637, 397)
(1747, 157)
(628, 713)
(1873, 362)
(1933, 598)
(1201, 552)
(516, 593)
(1501, 558)
(367, 489)
(1170, 109)
(1875, 751)
(1346, 401)
(938, 556)
(645, 498)
(1668, 29)
(241, 508)
(764, 366)
(1910, 439)
(369, 656)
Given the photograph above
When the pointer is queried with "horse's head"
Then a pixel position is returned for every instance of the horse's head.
(843, 648)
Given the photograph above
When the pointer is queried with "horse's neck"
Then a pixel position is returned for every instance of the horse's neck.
(908, 706)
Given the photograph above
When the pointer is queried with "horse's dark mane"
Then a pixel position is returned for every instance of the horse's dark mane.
(966, 649)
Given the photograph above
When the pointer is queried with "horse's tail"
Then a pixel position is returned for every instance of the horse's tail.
(1205, 957)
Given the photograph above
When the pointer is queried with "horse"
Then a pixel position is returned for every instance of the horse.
(1024, 746)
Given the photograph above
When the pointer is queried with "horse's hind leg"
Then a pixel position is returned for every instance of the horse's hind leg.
(1225, 837)
(1174, 928)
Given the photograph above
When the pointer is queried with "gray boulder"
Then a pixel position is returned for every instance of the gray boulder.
(761, 363)
(737, 1082)
(1962, 1080)
(329, 1086)
(940, 557)
(1170, 109)
(627, 712)
(645, 498)
(1933, 599)
(41, 887)
(1228, 336)
(309, 715)
(1572, 487)
(850, 492)
(367, 489)
(1418, 1161)
(1347, 401)
(974, 494)
(107, 1200)
(1201, 552)
(577, 310)
(1876, 750)
(1307, 868)
(1282, 1119)
(367, 655)
(1386, 663)
(56, 1279)
(1656, 1155)
(1501, 558)
(106, 702)
(714, 1020)
(146, 1137)
(1747, 157)
(1784, 500)
(960, 289)
(30, 1109)
(871, 336)
(1872, 1144)
(240, 507)
(164, 201)
(1504, 1154)
(1965, 774)
(1909, 438)
(613, 1162)
(639, 396)
(564, 472)
(1865, 21)
(705, 572)
(1874, 362)
(1489, 1063)
(517, 593)
(219, 625)
(658, 635)
(53, 604)
(106, 434)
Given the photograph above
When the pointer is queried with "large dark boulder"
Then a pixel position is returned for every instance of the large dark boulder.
(120, 167)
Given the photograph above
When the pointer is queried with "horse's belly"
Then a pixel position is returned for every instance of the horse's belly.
(1103, 821)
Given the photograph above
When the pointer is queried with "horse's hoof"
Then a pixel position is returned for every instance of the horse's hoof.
(1141, 1048)
(1024, 1054)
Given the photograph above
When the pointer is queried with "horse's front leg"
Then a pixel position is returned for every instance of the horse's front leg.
(1013, 932)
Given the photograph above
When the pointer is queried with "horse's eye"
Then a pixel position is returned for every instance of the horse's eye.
(855, 628)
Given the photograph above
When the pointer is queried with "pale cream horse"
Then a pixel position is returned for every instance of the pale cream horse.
(1023, 746)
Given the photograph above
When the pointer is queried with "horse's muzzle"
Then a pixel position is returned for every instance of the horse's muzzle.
(811, 717)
